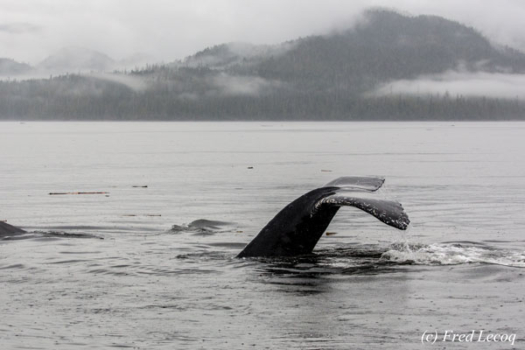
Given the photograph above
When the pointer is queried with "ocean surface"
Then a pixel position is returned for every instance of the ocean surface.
(121, 266)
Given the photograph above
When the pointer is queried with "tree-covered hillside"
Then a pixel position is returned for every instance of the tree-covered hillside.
(323, 77)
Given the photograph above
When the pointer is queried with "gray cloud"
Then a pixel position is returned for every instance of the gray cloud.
(170, 30)
(17, 28)
(132, 82)
(243, 85)
(457, 83)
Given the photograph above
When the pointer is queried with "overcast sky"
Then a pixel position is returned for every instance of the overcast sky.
(30, 30)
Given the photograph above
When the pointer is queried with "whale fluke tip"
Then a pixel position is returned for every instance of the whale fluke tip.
(370, 184)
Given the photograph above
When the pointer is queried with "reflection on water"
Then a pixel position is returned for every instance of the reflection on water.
(155, 267)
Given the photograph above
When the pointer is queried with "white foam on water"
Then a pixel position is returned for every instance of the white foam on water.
(453, 254)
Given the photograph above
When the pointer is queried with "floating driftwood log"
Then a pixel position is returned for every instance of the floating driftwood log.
(65, 193)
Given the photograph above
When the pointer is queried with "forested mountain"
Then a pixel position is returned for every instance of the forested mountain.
(321, 77)
(384, 46)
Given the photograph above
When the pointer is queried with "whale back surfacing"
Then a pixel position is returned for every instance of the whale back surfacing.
(9, 230)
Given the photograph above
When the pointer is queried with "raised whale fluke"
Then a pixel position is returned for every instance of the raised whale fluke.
(297, 228)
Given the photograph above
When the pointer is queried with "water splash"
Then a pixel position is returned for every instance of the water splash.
(453, 253)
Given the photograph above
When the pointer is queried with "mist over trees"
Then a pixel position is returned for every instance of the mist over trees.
(9, 66)
(328, 77)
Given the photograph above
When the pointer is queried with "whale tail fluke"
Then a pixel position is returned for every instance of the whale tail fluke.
(389, 212)
(297, 228)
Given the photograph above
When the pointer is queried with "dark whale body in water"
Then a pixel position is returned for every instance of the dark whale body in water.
(7, 230)
(10, 232)
(297, 228)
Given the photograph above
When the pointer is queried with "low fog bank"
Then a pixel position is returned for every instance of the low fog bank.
(134, 83)
(457, 83)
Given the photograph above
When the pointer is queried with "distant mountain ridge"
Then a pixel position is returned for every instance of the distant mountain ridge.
(319, 77)
(71, 60)
(384, 46)
(12, 68)
(77, 59)
(228, 55)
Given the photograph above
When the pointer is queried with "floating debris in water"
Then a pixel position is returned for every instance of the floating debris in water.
(65, 193)
(150, 215)
(140, 186)
(60, 234)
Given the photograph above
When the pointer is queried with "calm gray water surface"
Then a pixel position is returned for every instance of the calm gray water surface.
(108, 270)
